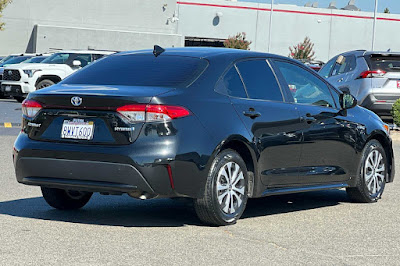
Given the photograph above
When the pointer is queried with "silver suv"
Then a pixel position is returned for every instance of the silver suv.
(372, 77)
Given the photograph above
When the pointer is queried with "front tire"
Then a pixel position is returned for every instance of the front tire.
(225, 195)
(44, 83)
(65, 200)
(372, 171)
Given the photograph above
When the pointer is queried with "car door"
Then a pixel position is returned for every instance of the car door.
(328, 137)
(271, 121)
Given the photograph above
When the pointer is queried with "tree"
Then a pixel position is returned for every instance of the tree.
(303, 50)
(238, 42)
(387, 11)
(3, 4)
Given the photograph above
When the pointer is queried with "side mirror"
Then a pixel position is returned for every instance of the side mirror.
(76, 63)
(347, 101)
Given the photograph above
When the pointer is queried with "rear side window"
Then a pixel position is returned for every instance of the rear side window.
(388, 63)
(141, 70)
(259, 80)
(326, 69)
(348, 64)
(231, 84)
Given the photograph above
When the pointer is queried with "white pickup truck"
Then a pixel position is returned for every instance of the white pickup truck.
(21, 79)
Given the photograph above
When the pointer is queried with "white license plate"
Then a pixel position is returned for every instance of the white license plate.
(8, 88)
(77, 129)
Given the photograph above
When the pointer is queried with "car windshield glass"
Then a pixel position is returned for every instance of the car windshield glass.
(6, 58)
(36, 59)
(389, 63)
(15, 60)
(58, 58)
(141, 70)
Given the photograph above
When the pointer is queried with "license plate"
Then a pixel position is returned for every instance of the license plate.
(77, 129)
(8, 88)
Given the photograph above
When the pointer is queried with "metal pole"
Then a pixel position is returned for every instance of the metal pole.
(374, 27)
(270, 26)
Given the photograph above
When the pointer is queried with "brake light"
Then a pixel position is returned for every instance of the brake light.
(372, 74)
(30, 108)
(151, 112)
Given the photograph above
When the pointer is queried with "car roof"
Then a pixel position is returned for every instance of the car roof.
(85, 52)
(204, 52)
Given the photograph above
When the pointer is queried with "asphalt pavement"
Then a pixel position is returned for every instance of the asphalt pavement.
(319, 228)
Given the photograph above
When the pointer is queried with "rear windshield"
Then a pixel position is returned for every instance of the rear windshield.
(141, 70)
(388, 63)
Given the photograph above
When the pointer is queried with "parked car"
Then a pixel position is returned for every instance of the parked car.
(11, 60)
(372, 77)
(313, 64)
(20, 80)
(36, 59)
(212, 124)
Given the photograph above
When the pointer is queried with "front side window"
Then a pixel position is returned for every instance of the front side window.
(305, 87)
(259, 80)
(231, 84)
(85, 59)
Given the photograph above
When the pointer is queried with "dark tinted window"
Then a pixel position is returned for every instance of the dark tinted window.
(231, 84)
(388, 63)
(16, 60)
(259, 80)
(326, 69)
(141, 70)
(305, 87)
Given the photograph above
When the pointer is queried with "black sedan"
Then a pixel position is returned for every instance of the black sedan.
(215, 125)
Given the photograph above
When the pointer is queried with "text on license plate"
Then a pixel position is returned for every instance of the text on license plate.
(77, 129)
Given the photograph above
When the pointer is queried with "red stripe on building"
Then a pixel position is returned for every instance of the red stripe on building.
(284, 11)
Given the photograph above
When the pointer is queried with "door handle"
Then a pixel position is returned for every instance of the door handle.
(308, 118)
(252, 114)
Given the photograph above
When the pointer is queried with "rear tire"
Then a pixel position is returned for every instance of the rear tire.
(372, 172)
(225, 195)
(44, 83)
(65, 200)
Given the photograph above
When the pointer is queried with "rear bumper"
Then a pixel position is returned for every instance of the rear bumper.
(122, 169)
(80, 175)
(380, 104)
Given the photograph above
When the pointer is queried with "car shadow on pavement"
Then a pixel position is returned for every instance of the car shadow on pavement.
(127, 212)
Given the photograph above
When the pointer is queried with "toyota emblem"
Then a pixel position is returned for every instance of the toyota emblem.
(9, 72)
(76, 101)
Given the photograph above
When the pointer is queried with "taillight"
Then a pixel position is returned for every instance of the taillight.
(372, 74)
(151, 112)
(30, 108)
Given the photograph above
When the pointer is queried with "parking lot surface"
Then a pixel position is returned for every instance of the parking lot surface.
(321, 228)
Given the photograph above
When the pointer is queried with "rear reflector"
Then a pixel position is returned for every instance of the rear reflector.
(30, 108)
(151, 112)
(372, 74)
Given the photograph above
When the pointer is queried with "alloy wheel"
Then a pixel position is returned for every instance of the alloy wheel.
(230, 187)
(374, 171)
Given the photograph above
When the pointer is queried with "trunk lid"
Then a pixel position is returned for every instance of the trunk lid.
(94, 105)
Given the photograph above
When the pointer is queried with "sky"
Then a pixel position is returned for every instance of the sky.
(365, 5)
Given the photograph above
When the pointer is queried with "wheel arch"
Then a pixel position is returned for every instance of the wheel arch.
(53, 78)
(246, 150)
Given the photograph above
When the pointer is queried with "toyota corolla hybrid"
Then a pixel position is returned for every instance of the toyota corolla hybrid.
(215, 125)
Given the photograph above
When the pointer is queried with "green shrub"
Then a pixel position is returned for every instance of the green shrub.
(238, 42)
(396, 112)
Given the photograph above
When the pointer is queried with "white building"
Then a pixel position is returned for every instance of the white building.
(41, 25)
